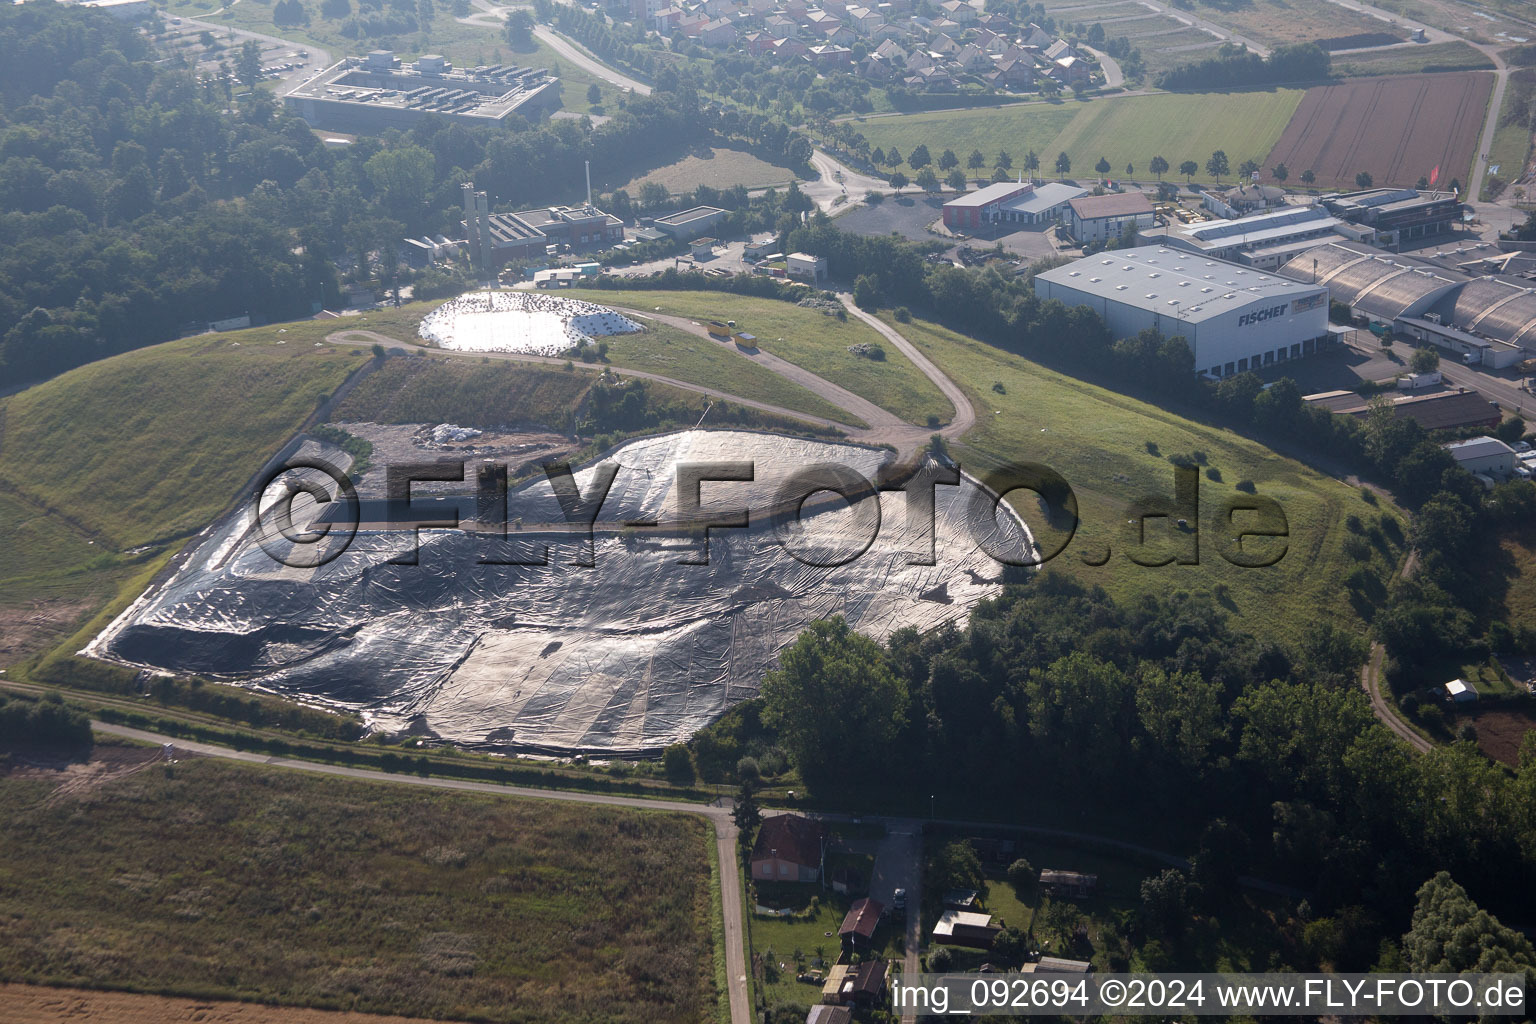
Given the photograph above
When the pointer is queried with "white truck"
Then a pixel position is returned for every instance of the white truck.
(1415, 381)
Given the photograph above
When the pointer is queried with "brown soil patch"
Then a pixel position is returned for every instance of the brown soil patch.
(1398, 129)
(35, 627)
(1501, 730)
(32, 1004)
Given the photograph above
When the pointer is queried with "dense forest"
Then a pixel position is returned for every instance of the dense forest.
(140, 200)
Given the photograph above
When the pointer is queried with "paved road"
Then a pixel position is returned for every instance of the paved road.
(719, 817)
(1114, 78)
(837, 180)
(569, 50)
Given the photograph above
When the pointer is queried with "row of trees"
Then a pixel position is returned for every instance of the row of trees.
(1236, 66)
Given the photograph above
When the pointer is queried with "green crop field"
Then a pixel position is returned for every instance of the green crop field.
(1125, 129)
(228, 881)
(1113, 449)
(1411, 60)
(805, 337)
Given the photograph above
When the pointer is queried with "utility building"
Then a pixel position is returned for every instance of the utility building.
(1234, 318)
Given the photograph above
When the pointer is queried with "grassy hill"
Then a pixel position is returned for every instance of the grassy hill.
(805, 337)
(1127, 129)
(1114, 449)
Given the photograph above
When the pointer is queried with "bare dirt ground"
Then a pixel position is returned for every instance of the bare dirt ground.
(107, 764)
(35, 626)
(31, 1004)
(1500, 731)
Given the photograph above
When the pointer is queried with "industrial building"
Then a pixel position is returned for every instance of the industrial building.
(1265, 240)
(1486, 456)
(1493, 318)
(495, 239)
(376, 92)
(1234, 318)
(1100, 218)
(1441, 410)
(1009, 202)
(1397, 215)
(686, 225)
(1373, 282)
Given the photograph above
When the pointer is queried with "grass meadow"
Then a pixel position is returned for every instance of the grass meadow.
(227, 881)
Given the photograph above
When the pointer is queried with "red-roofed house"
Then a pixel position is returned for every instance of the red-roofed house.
(859, 926)
(788, 849)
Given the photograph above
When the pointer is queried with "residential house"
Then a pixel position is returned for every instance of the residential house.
(1459, 691)
(959, 11)
(1070, 71)
(719, 8)
(864, 985)
(1034, 35)
(948, 27)
(667, 20)
(757, 43)
(890, 50)
(876, 68)
(830, 56)
(943, 45)
(718, 33)
(789, 848)
(973, 59)
(840, 35)
(1059, 49)
(780, 27)
(858, 928)
(692, 23)
(863, 20)
(790, 49)
(824, 1014)
(1012, 74)
(890, 31)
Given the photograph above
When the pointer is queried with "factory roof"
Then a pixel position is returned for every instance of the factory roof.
(1115, 204)
(1174, 282)
(1045, 197)
(994, 193)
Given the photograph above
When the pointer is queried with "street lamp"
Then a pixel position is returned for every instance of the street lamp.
(930, 805)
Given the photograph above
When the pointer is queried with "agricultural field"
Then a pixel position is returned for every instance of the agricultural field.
(226, 881)
(1411, 60)
(36, 1004)
(1164, 41)
(718, 167)
(1129, 129)
(806, 337)
(1280, 22)
(1112, 449)
(1397, 129)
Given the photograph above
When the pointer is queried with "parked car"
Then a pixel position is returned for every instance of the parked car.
(899, 899)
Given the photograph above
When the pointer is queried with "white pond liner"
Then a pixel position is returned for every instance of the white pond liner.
(628, 655)
(533, 323)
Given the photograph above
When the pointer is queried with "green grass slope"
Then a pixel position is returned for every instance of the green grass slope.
(806, 337)
(1113, 449)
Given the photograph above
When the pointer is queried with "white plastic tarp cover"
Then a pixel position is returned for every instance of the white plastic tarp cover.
(629, 654)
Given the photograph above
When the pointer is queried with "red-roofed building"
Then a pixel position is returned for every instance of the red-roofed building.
(788, 849)
(859, 926)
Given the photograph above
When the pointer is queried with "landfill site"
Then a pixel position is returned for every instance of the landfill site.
(634, 651)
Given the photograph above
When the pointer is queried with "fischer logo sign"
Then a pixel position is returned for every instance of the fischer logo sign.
(1260, 315)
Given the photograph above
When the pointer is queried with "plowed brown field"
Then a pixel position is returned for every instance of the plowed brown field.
(1397, 129)
(33, 1004)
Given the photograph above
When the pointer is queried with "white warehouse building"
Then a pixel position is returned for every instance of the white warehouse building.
(1234, 318)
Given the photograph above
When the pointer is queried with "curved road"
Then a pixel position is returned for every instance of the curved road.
(719, 817)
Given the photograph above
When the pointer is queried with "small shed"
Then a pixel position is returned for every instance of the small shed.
(1460, 691)
(1073, 884)
(965, 928)
(702, 248)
